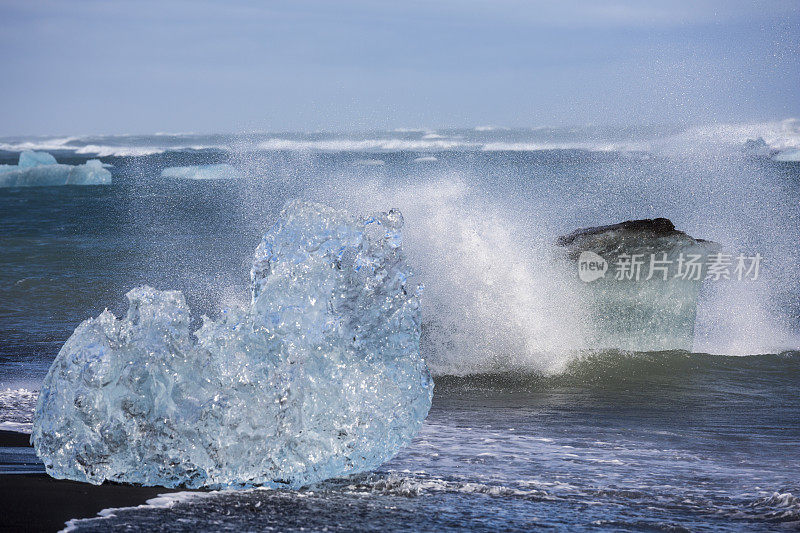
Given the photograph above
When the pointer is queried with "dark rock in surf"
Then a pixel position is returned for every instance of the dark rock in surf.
(640, 281)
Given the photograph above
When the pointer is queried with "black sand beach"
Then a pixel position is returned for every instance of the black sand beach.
(37, 502)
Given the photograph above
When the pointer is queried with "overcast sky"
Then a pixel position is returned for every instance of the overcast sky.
(84, 67)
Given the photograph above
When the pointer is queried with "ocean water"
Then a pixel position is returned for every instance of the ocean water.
(529, 426)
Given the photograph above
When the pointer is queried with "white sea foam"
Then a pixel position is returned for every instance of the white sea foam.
(716, 139)
(542, 146)
(19, 427)
(392, 484)
(119, 151)
(59, 143)
(79, 145)
(780, 506)
(162, 501)
(362, 145)
(398, 484)
(779, 136)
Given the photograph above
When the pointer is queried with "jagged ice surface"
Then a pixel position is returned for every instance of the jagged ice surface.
(320, 376)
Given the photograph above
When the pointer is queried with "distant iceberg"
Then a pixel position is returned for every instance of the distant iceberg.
(320, 376)
(39, 169)
(219, 171)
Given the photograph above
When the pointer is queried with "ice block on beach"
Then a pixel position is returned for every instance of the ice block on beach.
(319, 376)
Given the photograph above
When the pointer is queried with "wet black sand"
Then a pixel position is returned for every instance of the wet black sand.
(37, 502)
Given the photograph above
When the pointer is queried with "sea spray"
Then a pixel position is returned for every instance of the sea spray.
(480, 233)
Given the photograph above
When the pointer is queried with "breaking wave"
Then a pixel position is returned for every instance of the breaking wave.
(333, 501)
(779, 507)
(496, 300)
(481, 237)
(363, 145)
(778, 136)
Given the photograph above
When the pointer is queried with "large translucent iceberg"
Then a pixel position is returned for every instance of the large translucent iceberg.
(220, 171)
(320, 376)
(37, 169)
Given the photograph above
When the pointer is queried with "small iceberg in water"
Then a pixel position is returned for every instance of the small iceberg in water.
(218, 171)
(319, 376)
(38, 169)
(639, 281)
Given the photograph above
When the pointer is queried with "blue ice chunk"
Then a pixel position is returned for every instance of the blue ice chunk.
(32, 174)
(319, 375)
(221, 171)
(90, 173)
(35, 159)
(43, 175)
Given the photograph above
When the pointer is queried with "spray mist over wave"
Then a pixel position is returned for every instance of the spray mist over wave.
(496, 299)
(489, 285)
(481, 227)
